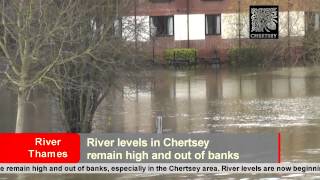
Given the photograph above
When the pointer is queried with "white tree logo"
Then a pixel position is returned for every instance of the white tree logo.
(264, 20)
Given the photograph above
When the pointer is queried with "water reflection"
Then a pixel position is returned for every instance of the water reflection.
(231, 88)
(223, 101)
(248, 88)
(210, 100)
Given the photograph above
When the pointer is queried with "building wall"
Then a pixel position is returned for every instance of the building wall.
(229, 10)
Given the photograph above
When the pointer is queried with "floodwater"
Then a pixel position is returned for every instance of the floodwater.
(210, 100)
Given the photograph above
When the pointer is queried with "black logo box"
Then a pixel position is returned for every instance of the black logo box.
(272, 34)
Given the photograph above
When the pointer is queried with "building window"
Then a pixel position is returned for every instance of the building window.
(213, 24)
(161, 25)
(313, 21)
(117, 27)
(317, 21)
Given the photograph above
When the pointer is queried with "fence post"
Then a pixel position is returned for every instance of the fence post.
(159, 127)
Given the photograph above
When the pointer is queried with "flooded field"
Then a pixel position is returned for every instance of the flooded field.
(208, 100)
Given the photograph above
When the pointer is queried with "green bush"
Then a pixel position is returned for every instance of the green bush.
(246, 56)
(181, 54)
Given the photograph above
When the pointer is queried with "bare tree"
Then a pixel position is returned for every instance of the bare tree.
(311, 41)
(70, 44)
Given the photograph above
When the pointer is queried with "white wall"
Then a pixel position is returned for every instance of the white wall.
(180, 27)
(230, 24)
(297, 23)
(197, 27)
(128, 28)
(317, 21)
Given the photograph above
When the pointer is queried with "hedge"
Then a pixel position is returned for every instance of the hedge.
(246, 56)
(181, 54)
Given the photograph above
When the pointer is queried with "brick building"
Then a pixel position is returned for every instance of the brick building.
(210, 25)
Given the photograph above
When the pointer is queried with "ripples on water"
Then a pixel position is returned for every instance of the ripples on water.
(205, 101)
(268, 113)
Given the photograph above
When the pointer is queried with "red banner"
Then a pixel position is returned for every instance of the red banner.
(39, 148)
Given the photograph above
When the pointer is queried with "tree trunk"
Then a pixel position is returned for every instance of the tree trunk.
(21, 109)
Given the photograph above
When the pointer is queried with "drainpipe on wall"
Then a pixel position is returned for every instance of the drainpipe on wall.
(289, 33)
(153, 38)
(153, 49)
(118, 19)
(188, 12)
(117, 8)
(239, 22)
(135, 25)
